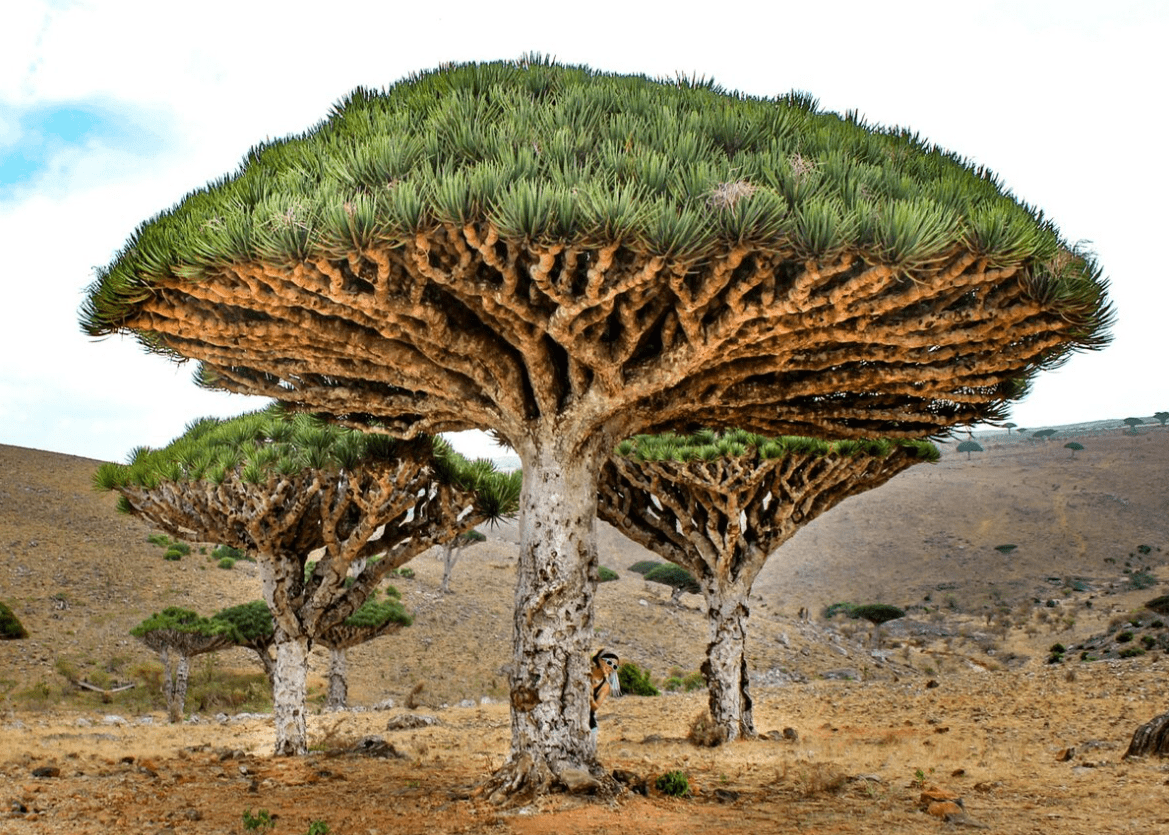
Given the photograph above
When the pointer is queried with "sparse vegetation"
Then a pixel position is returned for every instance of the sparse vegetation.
(643, 567)
(607, 575)
(635, 681)
(676, 577)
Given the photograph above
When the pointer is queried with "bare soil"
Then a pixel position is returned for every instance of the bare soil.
(959, 696)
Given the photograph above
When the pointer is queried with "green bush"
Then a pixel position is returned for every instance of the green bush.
(174, 554)
(1149, 641)
(221, 551)
(227, 563)
(1131, 652)
(607, 575)
(407, 573)
(877, 613)
(1124, 637)
(673, 784)
(686, 682)
(643, 567)
(635, 681)
(11, 629)
(159, 539)
(1142, 580)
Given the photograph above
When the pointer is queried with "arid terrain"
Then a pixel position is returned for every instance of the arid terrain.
(959, 696)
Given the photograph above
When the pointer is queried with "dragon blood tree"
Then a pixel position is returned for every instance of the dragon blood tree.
(568, 258)
(374, 619)
(282, 487)
(177, 635)
(719, 505)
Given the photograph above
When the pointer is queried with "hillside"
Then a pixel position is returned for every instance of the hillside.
(80, 576)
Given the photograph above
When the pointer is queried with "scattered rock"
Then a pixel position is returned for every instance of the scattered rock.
(944, 809)
(631, 781)
(791, 734)
(1065, 754)
(375, 746)
(725, 795)
(46, 771)
(411, 721)
(843, 674)
(931, 684)
(579, 781)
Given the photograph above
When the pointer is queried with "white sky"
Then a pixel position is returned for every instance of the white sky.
(110, 111)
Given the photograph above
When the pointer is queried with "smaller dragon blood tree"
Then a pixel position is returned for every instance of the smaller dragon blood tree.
(719, 505)
(282, 486)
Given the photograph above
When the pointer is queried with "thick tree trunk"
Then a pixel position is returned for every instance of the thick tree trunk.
(725, 667)
(168, 686)
(338, 687)
(288, 696)
(182, 675)
(553, 632)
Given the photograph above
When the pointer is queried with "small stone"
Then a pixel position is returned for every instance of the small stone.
(725, 795)
(791, 734)
(578, 781)
(46, 771)
(1065, 754)
(113, 719)
(945, 809)
(631, 781)
(931, 684)
(935, 795)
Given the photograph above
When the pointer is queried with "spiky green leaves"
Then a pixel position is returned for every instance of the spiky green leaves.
(708, 445)
(567, 154)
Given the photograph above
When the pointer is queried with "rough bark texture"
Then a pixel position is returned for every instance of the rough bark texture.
(725, 666)
(338, 693)
(288, 695)
(1150, 739)
(553, 634)
(720, 520)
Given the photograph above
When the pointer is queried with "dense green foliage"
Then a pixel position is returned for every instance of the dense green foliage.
(675, 577)
(10, 626)
(543, 152)
(635, 681)
(607, 575)
(876, 613)
(272, 442)
(179, 620)
(710, 445)
(375, 614)
(251, 622)
(673, 784)
(643, 567)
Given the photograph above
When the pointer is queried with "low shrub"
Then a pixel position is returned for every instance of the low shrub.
(1123, 637)
(607, 575)
(635, 681)
(1131, 652)
(686, 682)
(704, 733)
(673, 784)
(227, 563)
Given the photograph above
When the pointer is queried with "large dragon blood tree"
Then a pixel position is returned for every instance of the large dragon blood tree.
(568, 258)
(284, 486)
(718, 505)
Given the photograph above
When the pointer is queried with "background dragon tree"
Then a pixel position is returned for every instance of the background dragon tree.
(282, 487)
(177, 635)
(569, 258)
(719, 505)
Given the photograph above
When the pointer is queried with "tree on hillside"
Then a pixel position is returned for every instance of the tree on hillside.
(719, 505)
(282, 486)
(1132, 423)
(254, 629)
(877, 614)
(677, 578)
(1161, 417)
(374, 619)
(569, 258)
(452, 551)
(1074, 446)
(178, 635)
(969, 447)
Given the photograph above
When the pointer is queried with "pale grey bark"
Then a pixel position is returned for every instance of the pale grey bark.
(725, 666)
(338, 693)
(289, 694)
(553, 628)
